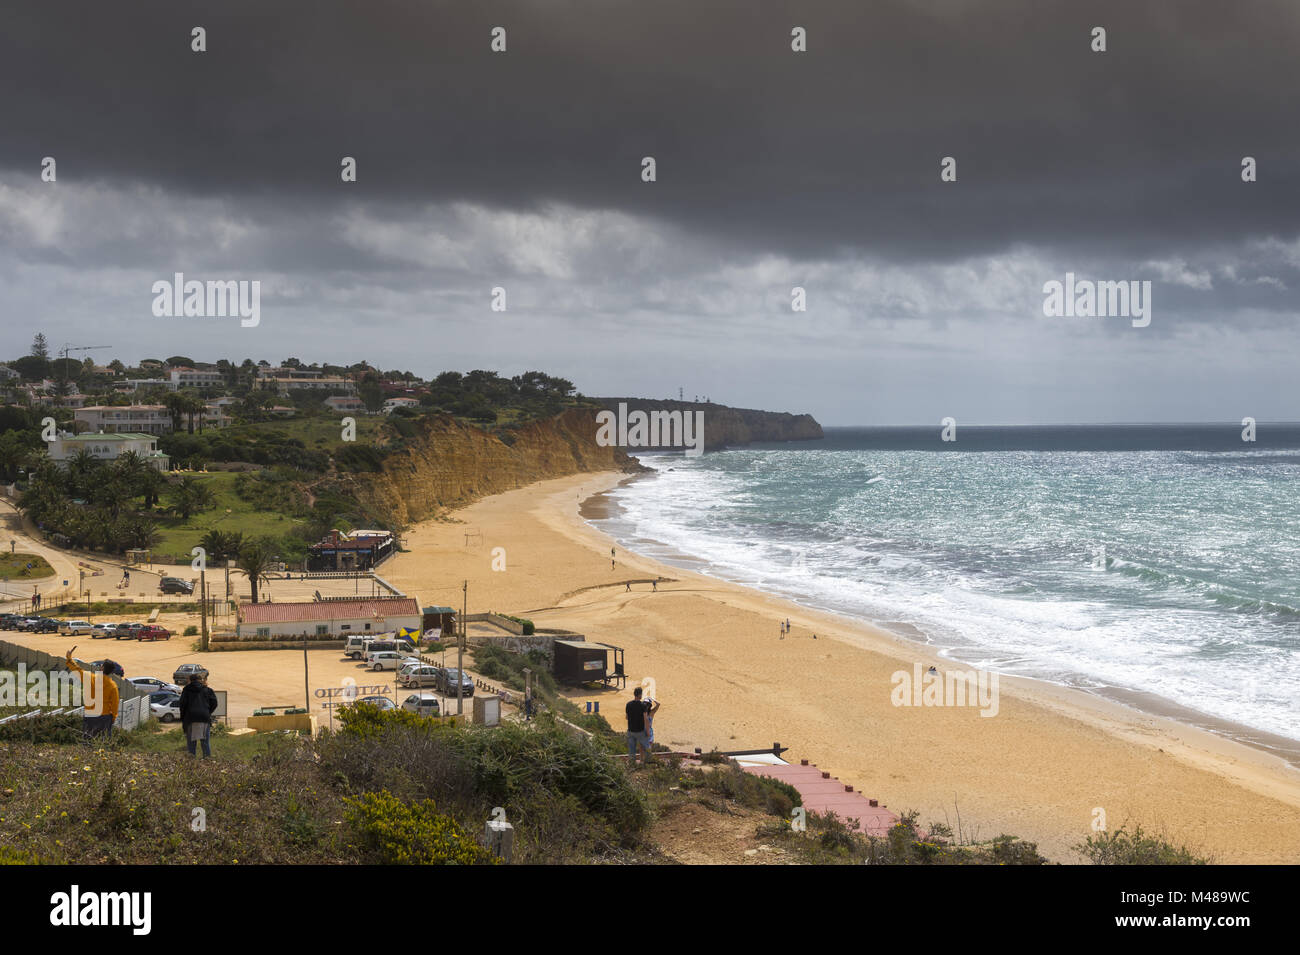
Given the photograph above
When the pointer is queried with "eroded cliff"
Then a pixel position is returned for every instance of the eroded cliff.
(448, 464)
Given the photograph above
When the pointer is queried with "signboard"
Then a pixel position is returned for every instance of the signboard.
(332, 696)
(593, 664)
(220, 711)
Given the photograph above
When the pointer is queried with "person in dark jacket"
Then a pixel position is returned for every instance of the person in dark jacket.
(198, 703)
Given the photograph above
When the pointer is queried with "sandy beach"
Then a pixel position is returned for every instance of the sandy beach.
(1042, 768)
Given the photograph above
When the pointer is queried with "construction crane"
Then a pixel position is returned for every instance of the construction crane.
(68, 348)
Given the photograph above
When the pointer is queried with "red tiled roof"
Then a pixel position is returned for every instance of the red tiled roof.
(329, 610)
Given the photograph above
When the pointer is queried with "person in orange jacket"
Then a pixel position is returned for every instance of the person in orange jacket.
(99, 698)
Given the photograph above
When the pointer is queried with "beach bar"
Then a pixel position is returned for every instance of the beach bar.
(577, 661)
(357, 551)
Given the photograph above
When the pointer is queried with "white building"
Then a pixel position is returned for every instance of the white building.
(137, 419)
(289, 372)
(392, 404)
(107, 447)
(136, 384)
(193, 378)
(315, 384)
(339, 618)
(344, 403)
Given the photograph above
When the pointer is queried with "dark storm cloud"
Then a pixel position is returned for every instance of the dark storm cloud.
(1114, 156)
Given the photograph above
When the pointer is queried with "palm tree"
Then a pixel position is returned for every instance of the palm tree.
(110, 492)
(254, 560)
(151, 486)
(81, 472)
(192, 494)
(13, 452)
(222, 545)
(46, 494)
(193, 405)
(176, 403)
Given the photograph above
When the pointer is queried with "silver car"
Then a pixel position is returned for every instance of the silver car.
(422, 704)
(419, 676)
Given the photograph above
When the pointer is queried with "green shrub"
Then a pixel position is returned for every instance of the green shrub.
(403, 834)
(1122, 847)
(191, 631)
(524, 622)
(749, 789)
(299, 824)
(63, 728)
(17, 857)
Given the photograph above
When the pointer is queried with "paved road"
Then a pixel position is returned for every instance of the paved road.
(74, 572)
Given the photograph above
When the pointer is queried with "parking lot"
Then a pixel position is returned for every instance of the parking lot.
(252, 679)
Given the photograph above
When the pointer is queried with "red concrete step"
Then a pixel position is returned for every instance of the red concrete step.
(830, 795)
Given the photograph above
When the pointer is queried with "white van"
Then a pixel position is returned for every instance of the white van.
(76, 627)
(356, 647)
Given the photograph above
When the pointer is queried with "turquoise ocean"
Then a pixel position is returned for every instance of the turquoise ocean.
(1162, 561)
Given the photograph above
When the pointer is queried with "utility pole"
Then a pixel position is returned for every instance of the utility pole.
(306, 679)
(460, 650)
(203, 605)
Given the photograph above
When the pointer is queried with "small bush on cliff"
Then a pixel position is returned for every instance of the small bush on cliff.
(1122, 847)
(402, 834)
(368, 720)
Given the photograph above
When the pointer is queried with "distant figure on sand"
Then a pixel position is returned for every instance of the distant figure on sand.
(629, 585)
(637, 709)
(654, 585)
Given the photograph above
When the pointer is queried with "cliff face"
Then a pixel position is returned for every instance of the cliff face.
(449, 464)
(728, 427)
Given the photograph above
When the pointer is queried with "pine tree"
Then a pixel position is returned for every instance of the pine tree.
(40, 348)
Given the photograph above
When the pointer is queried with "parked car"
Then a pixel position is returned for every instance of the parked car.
(165, 705)
(76, 628)
(356, 647)
(153, 685)
(383, 702)
(102, 631)
(401, 646)
(43, 625)
(24, 623)
(448, 677)
(387, 660)
(419, 676)
(153, 632)
(174, 585)
(185, 670)
(423, 704)
(9, 621)
(128, 631)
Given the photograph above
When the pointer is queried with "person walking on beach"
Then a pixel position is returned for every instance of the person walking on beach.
(99, 699)
(197, 705)
(636, 711)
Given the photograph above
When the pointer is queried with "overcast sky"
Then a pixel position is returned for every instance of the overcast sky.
(775, 169)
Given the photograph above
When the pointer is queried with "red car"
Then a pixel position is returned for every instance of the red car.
(154, 632)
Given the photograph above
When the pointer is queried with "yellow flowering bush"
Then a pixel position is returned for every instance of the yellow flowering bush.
(413, 834)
